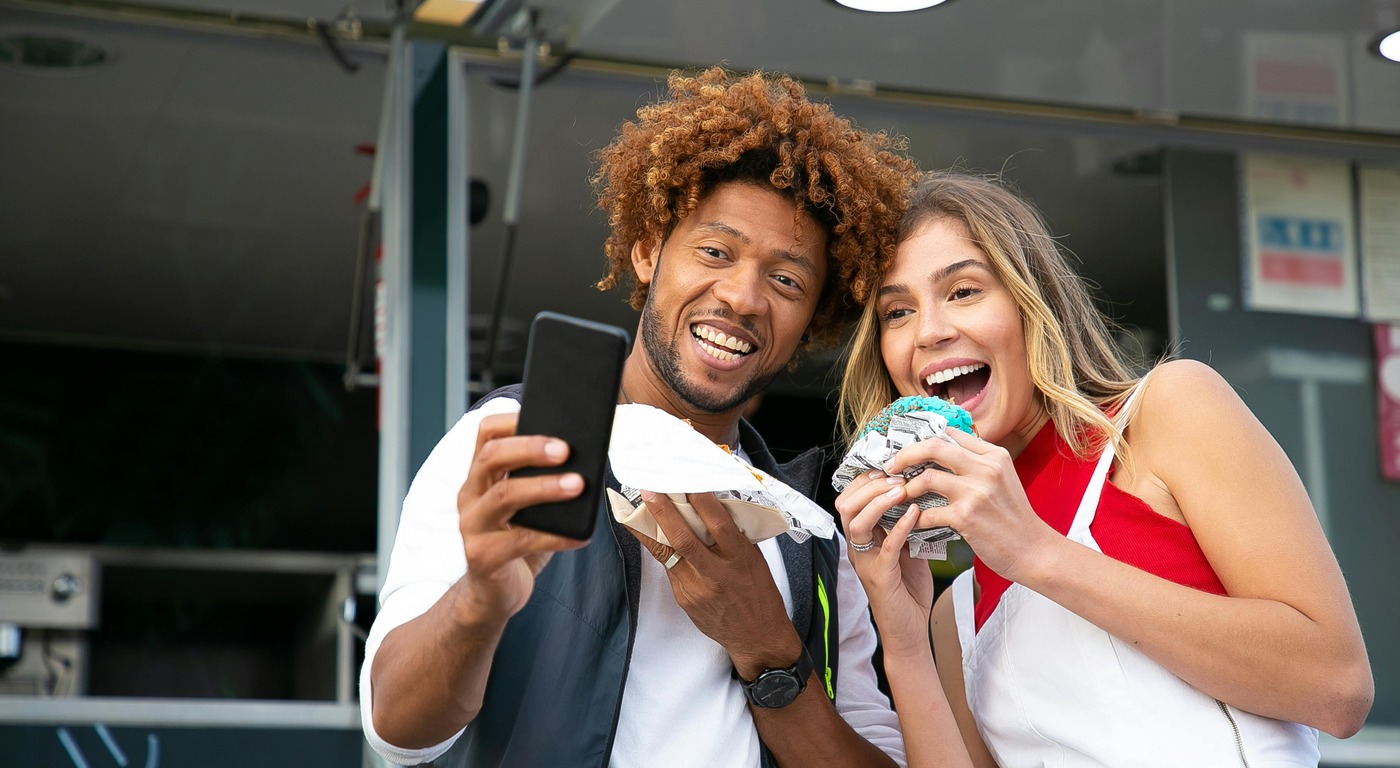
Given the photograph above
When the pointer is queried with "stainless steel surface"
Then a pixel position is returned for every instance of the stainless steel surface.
(55, 589)
(114, 711)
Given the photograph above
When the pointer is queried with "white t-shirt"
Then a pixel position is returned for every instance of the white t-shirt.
(680, 706)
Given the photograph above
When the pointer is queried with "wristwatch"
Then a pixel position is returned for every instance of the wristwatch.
(777, 688)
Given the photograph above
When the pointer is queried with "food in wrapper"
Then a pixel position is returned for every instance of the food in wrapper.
(653, 449)
(756, 521)
(906, 420)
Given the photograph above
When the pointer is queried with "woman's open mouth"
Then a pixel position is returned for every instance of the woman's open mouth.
(957, 384)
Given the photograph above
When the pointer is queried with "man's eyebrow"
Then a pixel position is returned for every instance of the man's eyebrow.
(721, 228)
(937, 276)
(802, 261)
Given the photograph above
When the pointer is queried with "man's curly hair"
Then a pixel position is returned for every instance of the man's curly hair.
(717, 128)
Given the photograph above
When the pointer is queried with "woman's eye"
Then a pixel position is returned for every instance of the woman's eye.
(894, 313)
(965, 292)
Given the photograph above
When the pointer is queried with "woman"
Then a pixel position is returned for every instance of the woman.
(1151, 585)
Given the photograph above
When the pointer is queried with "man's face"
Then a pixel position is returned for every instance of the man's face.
(730, 293)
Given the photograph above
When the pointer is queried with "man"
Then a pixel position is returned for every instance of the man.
(746, 215)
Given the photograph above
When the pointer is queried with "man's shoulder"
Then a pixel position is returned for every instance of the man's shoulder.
(802, 472)
(510, 392)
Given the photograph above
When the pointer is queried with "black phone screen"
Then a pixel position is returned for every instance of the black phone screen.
(573, 369)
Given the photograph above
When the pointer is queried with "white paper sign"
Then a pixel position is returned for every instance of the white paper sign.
(1380, 242)
(1299, 251)
(1296, 77)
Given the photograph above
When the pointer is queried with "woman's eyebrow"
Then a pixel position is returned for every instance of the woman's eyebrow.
(937, 276)
(957, 266)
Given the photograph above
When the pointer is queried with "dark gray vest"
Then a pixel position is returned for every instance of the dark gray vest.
(555, 688)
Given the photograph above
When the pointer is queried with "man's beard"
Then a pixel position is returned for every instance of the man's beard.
(666, 361)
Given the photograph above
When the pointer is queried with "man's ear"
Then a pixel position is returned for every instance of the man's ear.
(645, 256)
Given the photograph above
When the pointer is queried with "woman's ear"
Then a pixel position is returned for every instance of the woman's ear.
(644, 260)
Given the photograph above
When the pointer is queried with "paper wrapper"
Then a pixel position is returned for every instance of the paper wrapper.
(754, 521)
(873, 449)
(653, 450)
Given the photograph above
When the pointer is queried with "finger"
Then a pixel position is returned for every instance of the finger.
(660, 551)
(504, 452)
(488, 551)
(492, 509)
(925, 451)
(717, 519)
(852, 500)
(863, 480)
(972, 443)
(898, 536)
(669, 520)
(496, 425)
(864, 527)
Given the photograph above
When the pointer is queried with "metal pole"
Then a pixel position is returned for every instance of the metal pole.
(511, 209)
(396, 180)
(458, 244)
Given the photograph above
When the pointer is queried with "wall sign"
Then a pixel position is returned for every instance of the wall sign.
(1300, 254)
(1380, 242)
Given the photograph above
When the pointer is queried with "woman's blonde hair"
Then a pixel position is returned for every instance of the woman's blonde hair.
(1076, 368)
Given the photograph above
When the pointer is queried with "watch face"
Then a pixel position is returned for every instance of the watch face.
(775, 688)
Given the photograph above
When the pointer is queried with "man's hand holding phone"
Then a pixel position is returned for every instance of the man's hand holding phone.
(502, 560)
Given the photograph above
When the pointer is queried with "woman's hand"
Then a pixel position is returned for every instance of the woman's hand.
(986, 504)
(900, 588)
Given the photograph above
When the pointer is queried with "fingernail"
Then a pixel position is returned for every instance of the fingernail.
(895, 480)
(895, 492)
(571, 482)
(648, 496)
(874, 474)
(556, 449)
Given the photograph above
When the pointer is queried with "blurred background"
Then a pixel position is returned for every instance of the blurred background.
(256, 256)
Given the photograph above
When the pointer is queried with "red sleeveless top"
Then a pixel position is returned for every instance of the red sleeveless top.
(1125, 528)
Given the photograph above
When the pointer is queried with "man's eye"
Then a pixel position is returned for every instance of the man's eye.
(713, 253)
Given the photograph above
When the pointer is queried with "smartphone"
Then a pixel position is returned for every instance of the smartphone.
(573, 369)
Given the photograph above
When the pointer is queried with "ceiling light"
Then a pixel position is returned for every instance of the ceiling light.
(889, 6)
(1389, 46)
(452, 13)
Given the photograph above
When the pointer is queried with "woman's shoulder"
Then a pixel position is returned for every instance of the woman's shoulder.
(1188, 408)
(1186, 392)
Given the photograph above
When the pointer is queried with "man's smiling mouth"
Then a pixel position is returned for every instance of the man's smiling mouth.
(719, 345)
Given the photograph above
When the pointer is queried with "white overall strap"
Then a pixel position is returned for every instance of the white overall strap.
(964, 616)
(1089, 504)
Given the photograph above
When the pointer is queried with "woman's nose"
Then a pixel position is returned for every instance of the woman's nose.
(935, 328)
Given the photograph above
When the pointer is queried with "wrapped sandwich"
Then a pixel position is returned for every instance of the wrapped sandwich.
(905, 421)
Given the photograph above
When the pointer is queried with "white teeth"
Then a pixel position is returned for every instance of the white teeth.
(948, 374)
(717, 338)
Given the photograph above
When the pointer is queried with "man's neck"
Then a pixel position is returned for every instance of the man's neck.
(641, 385)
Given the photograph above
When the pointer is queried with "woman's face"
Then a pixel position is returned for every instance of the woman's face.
(951, 329)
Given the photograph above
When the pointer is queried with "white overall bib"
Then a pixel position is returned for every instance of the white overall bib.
(1047, 688)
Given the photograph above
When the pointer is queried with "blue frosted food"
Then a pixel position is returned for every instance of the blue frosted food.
(956, 415)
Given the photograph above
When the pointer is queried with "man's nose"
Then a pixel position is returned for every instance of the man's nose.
(741, 288)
